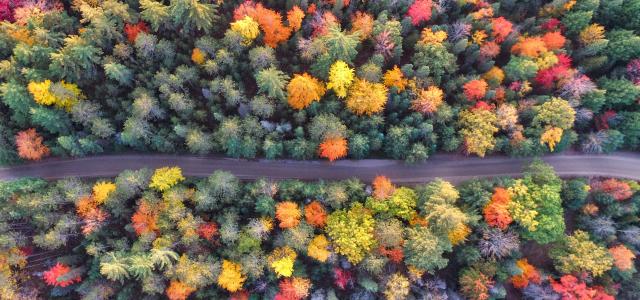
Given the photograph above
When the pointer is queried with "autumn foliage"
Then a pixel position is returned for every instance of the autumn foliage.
(382, 187)
(54, 275)
(496, 212)
(178, 290)
(367, 98)
(475, 89)
(395, 78)
(208, 230)
(553, 40)
(315, 214)
(428, 100)
(420, 11)
(501, 28)
(333, 148)
(270, 21)
(288, 214)
(294, 17)
(620, 190)
(132, 30)
(303, 89)
(529, 47)
(144, 220)
(622, 257)
(569, 287)
(295, 288)
(528, 274)
(29, 144)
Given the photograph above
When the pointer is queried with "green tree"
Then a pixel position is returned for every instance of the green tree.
(218, 190)
(424, 250)
(272, 82)
(578, 254)
(351, 232)
(556, 112)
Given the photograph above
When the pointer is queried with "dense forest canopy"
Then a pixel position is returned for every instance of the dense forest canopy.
(307, 79)
(154, 234)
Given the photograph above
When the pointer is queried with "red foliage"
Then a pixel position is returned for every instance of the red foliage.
(315, 214)
(546, 78)
(552, 24)
(394, 254)
(53, 276)
(343, 278)
(475, 89)
(496, 212)
(420, 11)
(564, 60)
(602, 121)
(293, 289)
(132, 30)
(240, 295)
(29, 144)
(482, 105)
(618, 189)
(208, 230)
(501, 28)
(570, 288)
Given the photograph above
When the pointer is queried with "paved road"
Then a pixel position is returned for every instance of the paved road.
(450, 167)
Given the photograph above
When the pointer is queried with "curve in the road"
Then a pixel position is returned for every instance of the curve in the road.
(455, 168)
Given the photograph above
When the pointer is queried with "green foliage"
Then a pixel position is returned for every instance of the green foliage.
(424, 250)
(272, 82)
(351, 231)
(579, 254)
(401, 204)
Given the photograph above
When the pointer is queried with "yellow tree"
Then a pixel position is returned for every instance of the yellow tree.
(61, 94)
(551, 137)
(477, 128)
(428, 101)
(164, 178)
(340, 78)
(231, 277)
(367, 98)
(101, 190)
(248, 28)
(304, 89)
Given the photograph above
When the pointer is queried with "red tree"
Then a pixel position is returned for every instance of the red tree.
(132, 30)
(420, 11)
(56, 276)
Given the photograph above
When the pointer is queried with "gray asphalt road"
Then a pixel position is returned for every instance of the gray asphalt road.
(450, 167)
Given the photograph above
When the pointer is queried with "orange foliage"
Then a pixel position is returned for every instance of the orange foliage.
(293, 289)
(571, 288)
(239, 295)
(92, 216)
(29, 144)
(529, 274)
(501, 28)
(489, 50)
(315, 214)
(270, 22)
(208, 230)
(475, 89)
(333, 148)
(288, 214)
(622, 257)
(496, 213)
(198, 56)
(294, 17)
(303, 89)
(145, 218)
(178, 290)
(363, 24)
(345, 3)
(553, 40)
(395, 78)
(529, 46)
(382, 187)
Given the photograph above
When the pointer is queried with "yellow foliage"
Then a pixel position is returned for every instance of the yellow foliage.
(591, 34)
(281, 261)
(395, 78)
(479, 36)
(164, 178)
(231, 278)
(366, 97)
(551, 137)
(340, 78)
(198, 56)
(351, 232)
(478, 127)
(247, 28)
(318, 248)
(63, 95)
(22, 35)
(304, 89)
(101, 191)
(294, 17)
(495, 76)
(546, 60)
(397, 287)
(524, 212)
(459, 234)
(430, 37)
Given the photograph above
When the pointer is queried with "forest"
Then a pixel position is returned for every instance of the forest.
(154, 234)
(329, 79)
